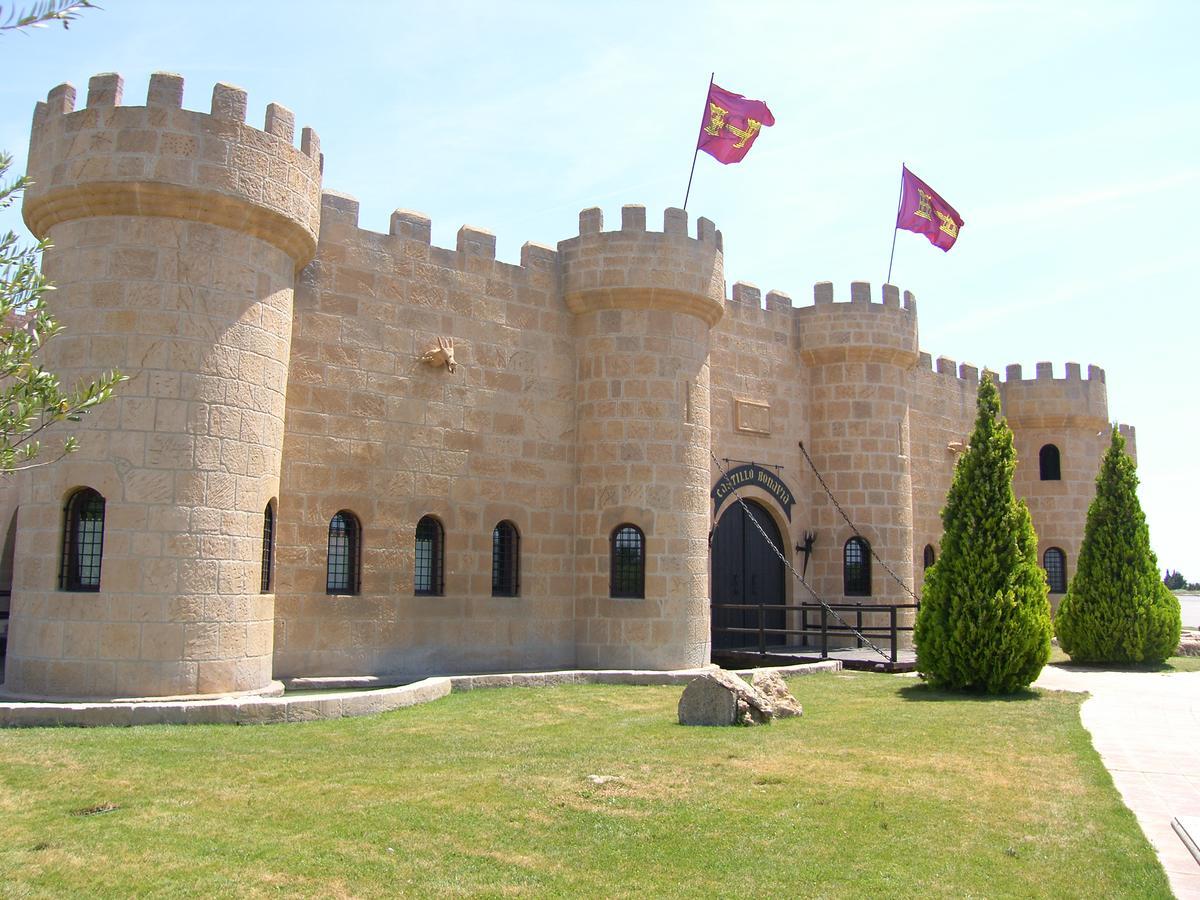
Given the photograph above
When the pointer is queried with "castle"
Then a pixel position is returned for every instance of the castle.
(342, 452)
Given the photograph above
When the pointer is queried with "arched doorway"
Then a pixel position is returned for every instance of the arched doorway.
(745, 569)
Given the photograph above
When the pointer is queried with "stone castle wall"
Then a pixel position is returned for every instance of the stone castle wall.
(274, 349)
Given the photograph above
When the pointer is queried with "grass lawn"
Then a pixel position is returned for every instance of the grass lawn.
(884, 788)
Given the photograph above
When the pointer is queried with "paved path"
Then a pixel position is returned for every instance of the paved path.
(1146, 728)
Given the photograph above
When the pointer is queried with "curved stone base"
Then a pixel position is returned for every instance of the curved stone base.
(265, 709)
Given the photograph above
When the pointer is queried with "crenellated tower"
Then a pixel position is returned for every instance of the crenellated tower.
(177, 237)
(859, 354)
(1061, 430)
(644, 304)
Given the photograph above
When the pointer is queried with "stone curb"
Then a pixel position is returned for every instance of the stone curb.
(340, 703)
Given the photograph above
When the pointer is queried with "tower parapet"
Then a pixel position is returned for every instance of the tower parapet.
(176, 240)
(644, 304)
(1048, 402)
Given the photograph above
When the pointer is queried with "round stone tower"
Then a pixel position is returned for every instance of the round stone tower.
(177, 237)
(859, 353)
(644, 304)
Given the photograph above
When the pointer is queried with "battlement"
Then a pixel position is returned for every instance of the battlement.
(636, 268)
(107, 159)
(410, 236)
(861, 329)
(1048, 402)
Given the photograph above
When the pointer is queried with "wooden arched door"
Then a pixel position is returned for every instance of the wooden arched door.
(746, 570)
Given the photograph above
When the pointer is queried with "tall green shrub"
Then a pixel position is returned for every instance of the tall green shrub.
(1117, 609)
(984, 622)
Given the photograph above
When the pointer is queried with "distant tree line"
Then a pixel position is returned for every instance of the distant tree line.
(1177, 582)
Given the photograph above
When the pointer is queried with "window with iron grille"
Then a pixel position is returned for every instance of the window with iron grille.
(628, 554)
(268, 547)
(1050, 463)
(83, 541)
(506, 560)
(427, 568)
(342, 568)
(1055, 563)
(856, 568)
(929, 556)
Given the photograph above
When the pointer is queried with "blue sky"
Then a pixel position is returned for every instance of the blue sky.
(1064, 133)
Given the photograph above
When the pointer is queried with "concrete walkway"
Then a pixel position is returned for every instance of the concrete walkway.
(1146, 728)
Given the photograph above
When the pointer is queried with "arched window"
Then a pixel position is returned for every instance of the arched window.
(268, 547)
(856, 568)
(929, 556)
(83, 541)
(1055, 563)
(1049, 463)
(628, 555)
(506, 560)
(427, 570)
(342, 570)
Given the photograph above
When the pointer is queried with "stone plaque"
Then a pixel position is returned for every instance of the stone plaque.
(752, 417)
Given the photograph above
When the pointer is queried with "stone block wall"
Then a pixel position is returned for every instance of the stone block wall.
(373, 430)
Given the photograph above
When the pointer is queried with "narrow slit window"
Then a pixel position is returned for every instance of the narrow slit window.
(856, 568)
(342, 572)
(1054, 561)
(628, 553)
(1050, 463)
(506, 560)
(268, 548)
(930, 556)
(427, 569)
(83, 541)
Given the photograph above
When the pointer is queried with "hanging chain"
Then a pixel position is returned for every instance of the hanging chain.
(853, 527)
(787, 563)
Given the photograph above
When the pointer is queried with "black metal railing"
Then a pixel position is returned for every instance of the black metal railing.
(817, 624)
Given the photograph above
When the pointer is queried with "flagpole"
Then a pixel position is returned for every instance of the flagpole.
(696, 155)
(896, 229)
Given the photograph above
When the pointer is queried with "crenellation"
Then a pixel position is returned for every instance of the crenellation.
(411, 225)
(910, 301)
(745, 293)
(946, 366)
(105, 90)
(165, 90)
(633, 217)
(338, 208)
(925, 361)
(61, 99)
(1095, 373)
(281, 122)
(891, 295)
(860, 292)
(1073, 373)
(968, 373)
(778, 301)
(228, 103)
(310, 144)
(1012, 372)
(476, 242)
(706, 231)
(591, 220)
(822, 293)
(1045, 370)
(675, 221)
(538, 256)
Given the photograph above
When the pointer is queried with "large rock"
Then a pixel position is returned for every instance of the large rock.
(722, 698)
(1189, 644)
(771, 685)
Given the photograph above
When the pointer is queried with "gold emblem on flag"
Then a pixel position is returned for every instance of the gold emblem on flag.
(948, 225)
(925, 210)
(716, 122)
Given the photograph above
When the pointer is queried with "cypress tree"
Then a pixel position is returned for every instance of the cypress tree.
(984, 621)
(1117, 609)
